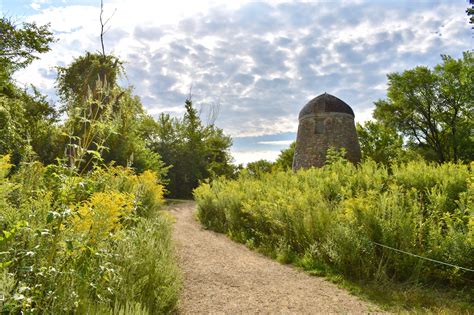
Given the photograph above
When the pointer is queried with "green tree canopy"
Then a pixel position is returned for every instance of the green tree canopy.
(19, 46)
(284, 160)
(104, 121)
(194, 151)
(470, 13)
(433, 109)
(79, 80)
(259, 167)
(379, 143)
(27, 120)
(20, 43)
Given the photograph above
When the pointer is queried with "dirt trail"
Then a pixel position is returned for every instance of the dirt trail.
(224, 277)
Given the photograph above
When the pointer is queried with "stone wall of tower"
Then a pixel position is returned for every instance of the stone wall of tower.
(320, 131)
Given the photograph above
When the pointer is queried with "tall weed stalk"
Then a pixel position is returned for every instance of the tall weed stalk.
(333, 217)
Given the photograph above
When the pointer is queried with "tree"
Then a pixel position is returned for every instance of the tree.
(192, 162)
(128, 144)
(194, 151)
(104, 121)
(20, 44)
(27, 120)
(217, 153)
(259, 167)
(284, 160)
(470, 13)
(76, 82)
(433, 109)
(379, 143)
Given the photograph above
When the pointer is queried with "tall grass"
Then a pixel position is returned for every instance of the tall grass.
(90, 243)
(332, 217)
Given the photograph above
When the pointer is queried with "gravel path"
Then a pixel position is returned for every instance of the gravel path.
(224, 277)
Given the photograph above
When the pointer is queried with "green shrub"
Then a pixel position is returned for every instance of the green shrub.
(71, 243)
(334, 217)
(147, 273)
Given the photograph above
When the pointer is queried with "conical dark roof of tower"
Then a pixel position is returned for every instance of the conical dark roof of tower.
(326, 103)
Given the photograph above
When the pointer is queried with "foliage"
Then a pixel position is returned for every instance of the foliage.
(27, 123)
(89, 126)
(379, 143)
(72, 243)
(332, 218)
(470, 13)
(77, 82)
(195, 152)
(10, 139)
(433, 108)
(26, 118)
(127, 146)
(146, 263)
(259, 167)
(104, 121)
(19, 47)
(284, 160)
(83, 234)
(102, 214)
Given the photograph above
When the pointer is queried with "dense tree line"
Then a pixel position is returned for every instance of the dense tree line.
(104, 121)
(194, 151)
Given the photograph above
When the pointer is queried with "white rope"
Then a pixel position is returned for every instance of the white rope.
(429, 259)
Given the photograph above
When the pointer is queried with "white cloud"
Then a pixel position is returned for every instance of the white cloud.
(261, 62)
(254, 126)
(36, 4)
(277, 142)
(245, 157)
(364, 115)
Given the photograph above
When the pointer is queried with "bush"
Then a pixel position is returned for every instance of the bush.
(148, 275)
(334, 218)
(73, 243)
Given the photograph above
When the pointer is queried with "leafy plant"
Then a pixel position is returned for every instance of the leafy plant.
(337, 216)
(66, 240)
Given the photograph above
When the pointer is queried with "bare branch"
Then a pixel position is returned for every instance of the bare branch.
(190, 95)
(108, 28)
(111, 16)
(103, 24)
(102, 27)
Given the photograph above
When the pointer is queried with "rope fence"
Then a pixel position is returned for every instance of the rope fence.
(421, 257)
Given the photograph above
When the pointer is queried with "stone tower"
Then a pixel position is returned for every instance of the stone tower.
(325, 122)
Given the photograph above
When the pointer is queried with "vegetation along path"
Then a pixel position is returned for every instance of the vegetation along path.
(221, 276)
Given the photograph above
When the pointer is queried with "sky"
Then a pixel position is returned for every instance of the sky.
(253, 65)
